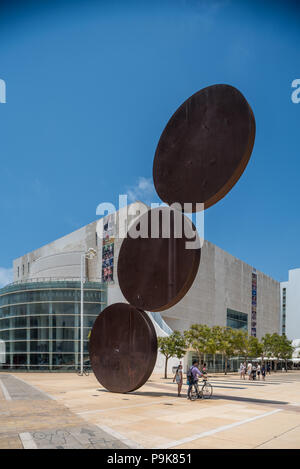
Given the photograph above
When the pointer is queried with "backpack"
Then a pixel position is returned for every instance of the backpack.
(190, 377)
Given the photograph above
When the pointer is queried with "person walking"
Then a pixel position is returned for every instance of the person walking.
(193, 375)
(263, 371)
(242, 371)
(253, 371)
(268, 368)
(178, 378)
(249, 370)
(258, 371)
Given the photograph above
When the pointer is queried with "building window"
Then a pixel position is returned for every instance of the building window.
(40, 324)
(237, 320)
(23, 269)
(283, 327)
(28, 267)
(254, 303)
(18, 271)
(96, 237)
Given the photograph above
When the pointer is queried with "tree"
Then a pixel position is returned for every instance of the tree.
(212, 343)
(255, 347)
(246, 346)
(225, 343)
(241, 343)
(199, 337)
(276, 347)
(173, 345)
(266, 343)
(286, 349)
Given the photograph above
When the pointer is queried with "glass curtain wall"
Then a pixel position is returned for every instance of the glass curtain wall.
(40, 324)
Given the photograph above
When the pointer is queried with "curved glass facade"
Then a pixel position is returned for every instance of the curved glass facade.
(40, 323)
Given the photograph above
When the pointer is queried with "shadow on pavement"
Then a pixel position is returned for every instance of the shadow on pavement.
(146, 393)
(249, 399)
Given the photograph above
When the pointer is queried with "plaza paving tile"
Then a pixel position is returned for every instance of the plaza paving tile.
(213, 443)
(10, 442)
(46, 423)
(153, 416)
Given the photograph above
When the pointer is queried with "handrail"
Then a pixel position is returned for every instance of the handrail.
(51, 279)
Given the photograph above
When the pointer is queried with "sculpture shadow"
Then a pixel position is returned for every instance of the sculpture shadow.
(249, 399)
(145, 393)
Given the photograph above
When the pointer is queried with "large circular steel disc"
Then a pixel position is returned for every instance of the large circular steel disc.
(159, 259)
(205, 147)
(123, 348)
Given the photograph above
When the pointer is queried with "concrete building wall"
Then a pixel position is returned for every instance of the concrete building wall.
(59, 259)
(292, 304)
(268, 309)
(222, 282)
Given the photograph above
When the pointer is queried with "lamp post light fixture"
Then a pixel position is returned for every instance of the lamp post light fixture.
(89, 254)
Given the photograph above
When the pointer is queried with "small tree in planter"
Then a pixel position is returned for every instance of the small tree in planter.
(173, 345)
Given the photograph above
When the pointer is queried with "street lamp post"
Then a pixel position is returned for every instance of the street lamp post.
(89, 254)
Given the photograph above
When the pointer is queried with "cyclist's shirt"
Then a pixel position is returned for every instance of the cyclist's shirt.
(196, 372)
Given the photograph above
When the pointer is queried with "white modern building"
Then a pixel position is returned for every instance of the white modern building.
(39, 311)
(290, 305)
(296, 352)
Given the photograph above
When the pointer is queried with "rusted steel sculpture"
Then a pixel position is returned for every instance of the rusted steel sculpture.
(155, 272)
(123, 347)
(205, 147)
(201, 154)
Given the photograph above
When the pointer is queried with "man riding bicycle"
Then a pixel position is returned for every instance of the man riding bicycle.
(193, 375)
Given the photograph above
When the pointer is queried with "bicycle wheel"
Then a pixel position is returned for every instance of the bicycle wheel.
(207, 391)
(193, 394)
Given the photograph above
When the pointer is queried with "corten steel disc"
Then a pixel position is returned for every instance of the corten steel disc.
(123, 348)
(155, 273)
(205, 147)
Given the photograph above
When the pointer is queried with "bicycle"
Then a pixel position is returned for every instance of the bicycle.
(85, 372)
(205, 392)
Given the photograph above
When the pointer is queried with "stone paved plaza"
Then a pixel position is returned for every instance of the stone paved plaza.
(64, 410)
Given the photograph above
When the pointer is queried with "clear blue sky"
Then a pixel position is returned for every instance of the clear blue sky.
(90, 87)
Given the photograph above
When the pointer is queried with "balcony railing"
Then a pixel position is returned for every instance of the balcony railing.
(52, 279)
